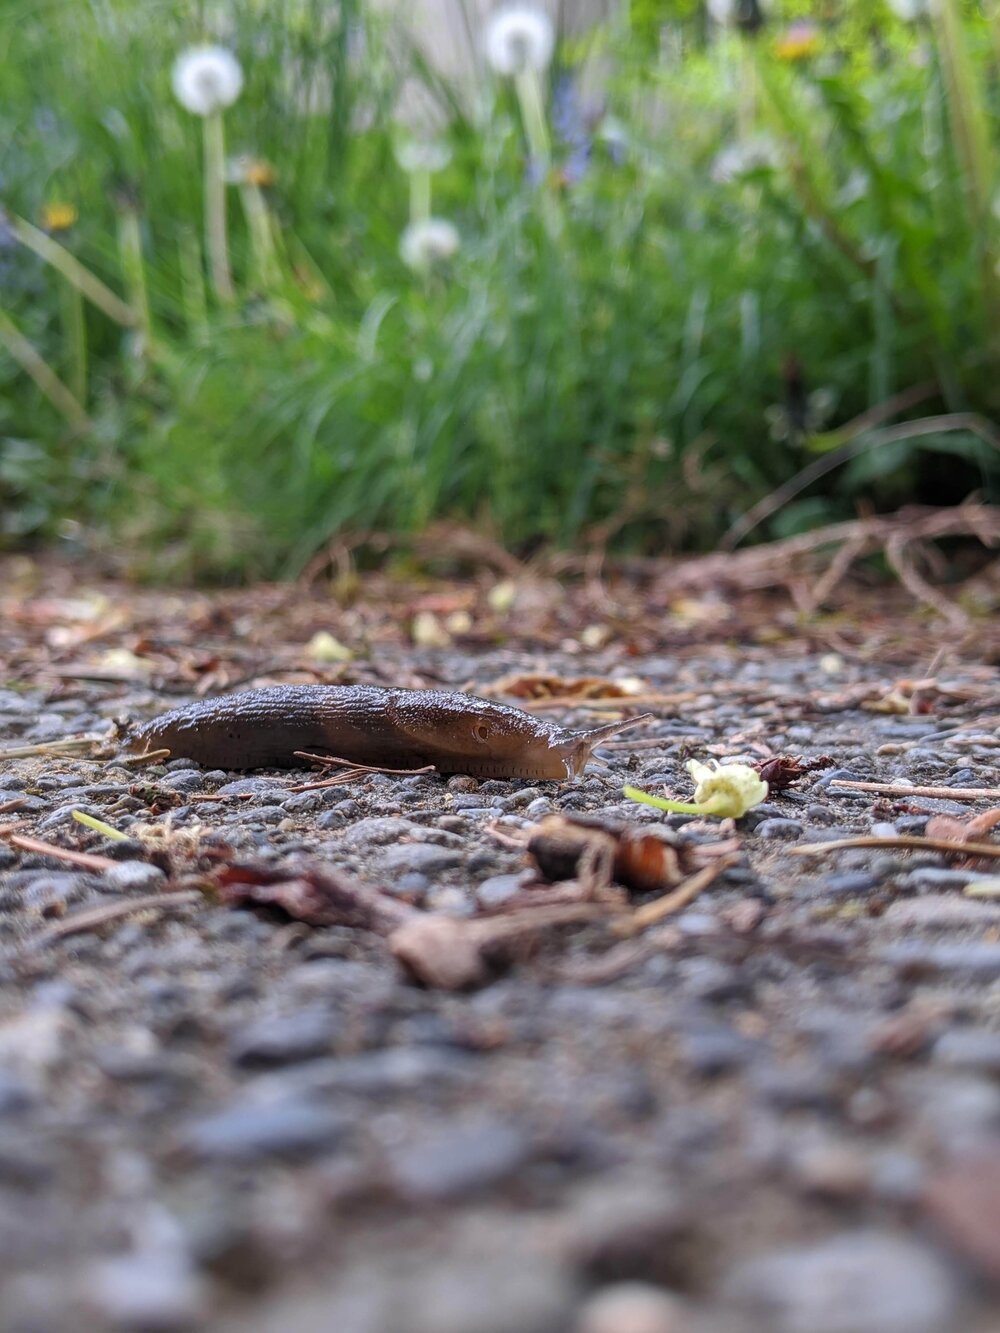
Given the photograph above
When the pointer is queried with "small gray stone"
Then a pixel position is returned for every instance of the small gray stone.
(244, 1131)
(185, 779)
(133, 877)
(263, 787)
(46, 889)
(425, 858)
(302, 802)
(778, 828)
(285, 1039)
(379, 831)
(465, 1160)
(711, 1051)
(976, 961)
(858, 1282)
(969, 1048)
(148, 1290)
(496, 890)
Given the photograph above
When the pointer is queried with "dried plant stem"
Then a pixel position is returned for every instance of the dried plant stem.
(95, 917)
(216, 236)
(941, 793)
(902, 840)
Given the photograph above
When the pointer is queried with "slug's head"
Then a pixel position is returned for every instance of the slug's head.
(487, 739)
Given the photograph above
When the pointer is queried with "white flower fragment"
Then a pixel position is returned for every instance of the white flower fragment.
(428, 242)
(727, 792)
(731, 789)
(518, 38)
(206, 79)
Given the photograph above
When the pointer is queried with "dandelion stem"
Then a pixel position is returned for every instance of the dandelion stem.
(528, 86)
(33, 364)
(73, 271)
(216, 241)
(420, 195)
(130, 247)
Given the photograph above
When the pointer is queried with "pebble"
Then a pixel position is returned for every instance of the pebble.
(711, 1051)
(631, 1307)
(969, 1048)
(502, 1293)
(975, 960)
(465, 1160)
(156, 1291)
(245, 1131)
(858, 1282)
(629, 1230)
(963, 1202)
(256, 814)
(846, 884)
(264, 787)
(799, 1086)
(931, 879)
(498, 889)
(48, 889)
(942, 911)
(424, 858)
(133, 877)
(284, 1039)
(778, 828)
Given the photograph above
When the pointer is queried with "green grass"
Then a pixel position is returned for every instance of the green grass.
(606, 355)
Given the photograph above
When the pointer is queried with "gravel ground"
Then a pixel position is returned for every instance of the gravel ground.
(781, 1115)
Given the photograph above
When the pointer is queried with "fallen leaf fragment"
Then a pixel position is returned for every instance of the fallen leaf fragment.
(784, 770)
(537, 685)
(323, 647)
(954, 829)
(319, 897)
(640, 860)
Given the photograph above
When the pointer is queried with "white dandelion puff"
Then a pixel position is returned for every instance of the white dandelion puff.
(909, 10)
(414, 155)
(428, 242)
(727, 11)
(206, 79)
(518, 38)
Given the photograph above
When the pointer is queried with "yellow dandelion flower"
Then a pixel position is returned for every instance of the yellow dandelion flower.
(800, 42)
(59, 216)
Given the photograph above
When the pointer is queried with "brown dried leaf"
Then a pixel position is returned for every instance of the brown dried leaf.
(319, 897)
(955, 829)
(784, 770)
(542, 685)
(563, 847)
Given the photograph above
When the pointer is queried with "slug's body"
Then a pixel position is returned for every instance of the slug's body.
(457, 733)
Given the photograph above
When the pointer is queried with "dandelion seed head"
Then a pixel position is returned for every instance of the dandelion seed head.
(519, 37)
(429, 242)
(206, 79)
(728, 11)
(909, 10)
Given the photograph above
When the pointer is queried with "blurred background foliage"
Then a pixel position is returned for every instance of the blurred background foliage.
(751, 256)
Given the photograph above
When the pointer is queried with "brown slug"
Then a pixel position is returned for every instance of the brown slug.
(389, 728)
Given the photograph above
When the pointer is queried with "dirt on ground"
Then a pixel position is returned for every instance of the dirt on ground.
(756, 1091)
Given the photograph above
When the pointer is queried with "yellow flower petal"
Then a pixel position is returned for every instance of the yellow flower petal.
(59, 216)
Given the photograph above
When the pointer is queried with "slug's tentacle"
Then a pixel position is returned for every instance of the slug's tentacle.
(577, 747)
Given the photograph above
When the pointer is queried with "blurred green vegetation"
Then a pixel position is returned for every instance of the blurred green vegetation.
(741, 245)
